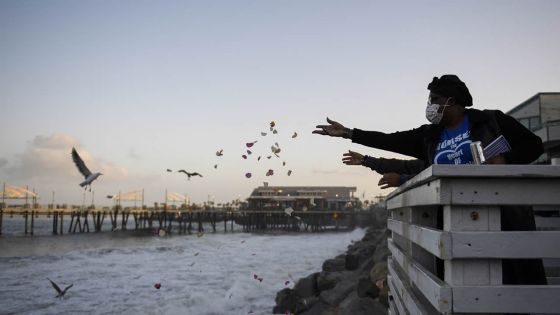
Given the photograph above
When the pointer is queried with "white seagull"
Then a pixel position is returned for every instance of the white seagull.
(89, 176)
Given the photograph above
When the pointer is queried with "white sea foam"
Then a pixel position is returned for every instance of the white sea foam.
(116, 275)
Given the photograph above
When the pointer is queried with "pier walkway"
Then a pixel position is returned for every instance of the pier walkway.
(181, 221)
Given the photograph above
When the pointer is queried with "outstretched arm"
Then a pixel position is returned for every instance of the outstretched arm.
(382, 165)
(392, 180)
(333, 129)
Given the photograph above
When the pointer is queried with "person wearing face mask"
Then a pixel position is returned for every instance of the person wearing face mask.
(446, 140)
(452, 128)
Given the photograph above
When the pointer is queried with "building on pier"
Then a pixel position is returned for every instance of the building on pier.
(541, 115)
(302, 198)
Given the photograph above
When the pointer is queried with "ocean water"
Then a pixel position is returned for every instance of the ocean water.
(115, 273)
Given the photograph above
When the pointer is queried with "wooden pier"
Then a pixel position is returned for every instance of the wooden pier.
(181, 221)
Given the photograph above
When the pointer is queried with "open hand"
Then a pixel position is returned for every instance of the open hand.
(334, 129)
(389, 180)
(352, 158)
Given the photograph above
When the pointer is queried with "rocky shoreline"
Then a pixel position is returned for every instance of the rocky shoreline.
(350, 283)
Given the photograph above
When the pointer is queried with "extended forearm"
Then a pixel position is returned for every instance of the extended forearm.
(383, 166)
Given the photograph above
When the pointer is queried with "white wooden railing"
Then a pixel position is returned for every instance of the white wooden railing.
(470, 242)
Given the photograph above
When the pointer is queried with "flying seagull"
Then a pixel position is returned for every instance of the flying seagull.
(189, 174)
(57, 288)
(89, 176)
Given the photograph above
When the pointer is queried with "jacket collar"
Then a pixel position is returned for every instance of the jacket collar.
(475, 117)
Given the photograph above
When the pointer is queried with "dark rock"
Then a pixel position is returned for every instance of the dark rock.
(307, 303)
(328, 280)
(352, 262)
(379, 271)
(307, 286)
(346, 284)
(337, 294)
(335, 264)
(321, 308)
(381, 252)
(371, 234)
(384, 296)
(354, 305)
(363, 249)
(366, 266)
(286, 299)
(366, 288)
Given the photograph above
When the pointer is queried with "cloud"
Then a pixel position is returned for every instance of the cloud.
(3, 162)
(49, 157)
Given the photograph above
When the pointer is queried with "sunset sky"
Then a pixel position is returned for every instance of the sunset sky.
(141, 86)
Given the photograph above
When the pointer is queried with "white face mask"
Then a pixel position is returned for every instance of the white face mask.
(433, 113)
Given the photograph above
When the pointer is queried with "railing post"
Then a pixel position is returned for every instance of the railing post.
(471, 219)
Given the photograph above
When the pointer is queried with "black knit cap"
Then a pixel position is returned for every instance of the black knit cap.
(450, 85)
